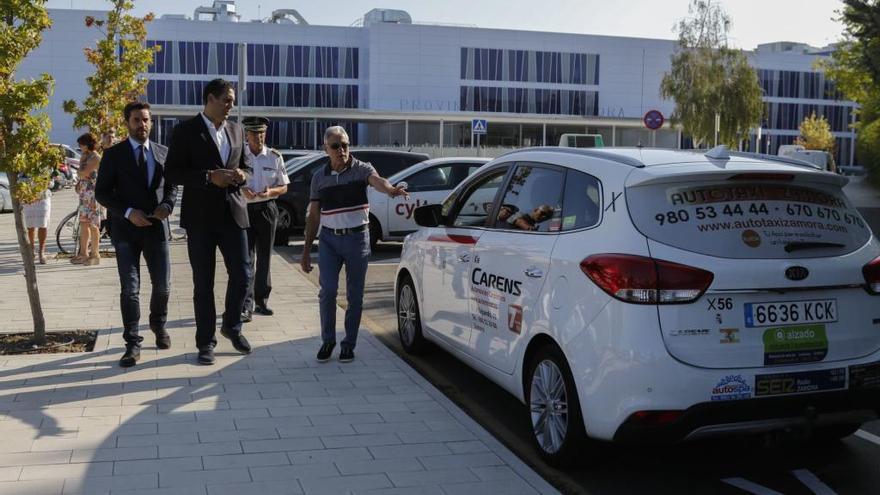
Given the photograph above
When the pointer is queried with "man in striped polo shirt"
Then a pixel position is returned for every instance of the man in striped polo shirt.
(338, 203)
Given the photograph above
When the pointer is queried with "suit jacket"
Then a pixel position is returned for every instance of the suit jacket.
(191, 154)
(122, 185)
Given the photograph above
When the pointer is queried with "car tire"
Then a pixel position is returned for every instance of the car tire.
(834, 433)
(375, 233)
(559, 437)
(409, 320)
(283, 225)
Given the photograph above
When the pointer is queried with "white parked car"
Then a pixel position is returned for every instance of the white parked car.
(5, 195)
(428, 182)
(638, 294)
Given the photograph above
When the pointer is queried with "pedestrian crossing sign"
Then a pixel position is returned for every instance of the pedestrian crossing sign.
(479, 126)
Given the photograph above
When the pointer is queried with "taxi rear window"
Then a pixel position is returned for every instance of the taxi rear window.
(749, 220)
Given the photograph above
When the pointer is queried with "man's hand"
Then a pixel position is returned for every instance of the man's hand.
(248, 192)
(305, 262)
(138, 218)
(264, 195)
(398, 191)
(219, 177)
(238, 176)
(161, 212)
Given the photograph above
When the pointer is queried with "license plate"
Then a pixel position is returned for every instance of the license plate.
(790, 312)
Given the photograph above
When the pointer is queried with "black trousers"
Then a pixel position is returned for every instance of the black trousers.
(202, 244)
(260, 238)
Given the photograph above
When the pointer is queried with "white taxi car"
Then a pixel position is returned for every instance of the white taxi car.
(428, 182)
(640, 294)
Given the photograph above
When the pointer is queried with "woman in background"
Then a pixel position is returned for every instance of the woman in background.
(89, 213)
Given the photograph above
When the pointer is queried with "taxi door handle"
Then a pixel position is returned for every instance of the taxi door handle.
(465, 258)
(534, 272)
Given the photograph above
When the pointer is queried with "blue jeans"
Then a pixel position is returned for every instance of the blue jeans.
(334, 251)
(128, 263)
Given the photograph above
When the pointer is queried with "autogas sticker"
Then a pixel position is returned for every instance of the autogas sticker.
(864, 375)
(514, 318)
(729, 335)
(690, 332)
(489, 293)
(801, 382)
(792, 345)
(732, 387)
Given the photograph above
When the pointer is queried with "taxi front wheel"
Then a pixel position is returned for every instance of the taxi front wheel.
(409, 322)
(554, 410)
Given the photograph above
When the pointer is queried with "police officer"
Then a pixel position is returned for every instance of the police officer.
(268, 181)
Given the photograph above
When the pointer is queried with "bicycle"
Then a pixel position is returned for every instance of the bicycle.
(67, 234)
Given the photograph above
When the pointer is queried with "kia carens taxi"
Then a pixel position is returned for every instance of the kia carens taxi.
(642, 294)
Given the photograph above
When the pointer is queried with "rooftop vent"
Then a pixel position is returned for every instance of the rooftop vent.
(221, 11)
(377, 16)
(287, 16)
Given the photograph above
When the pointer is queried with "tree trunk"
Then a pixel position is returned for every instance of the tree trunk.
(30, 272)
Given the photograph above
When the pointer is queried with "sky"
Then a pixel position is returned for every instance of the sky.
(754, 21)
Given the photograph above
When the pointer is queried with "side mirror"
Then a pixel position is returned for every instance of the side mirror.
(428, 215)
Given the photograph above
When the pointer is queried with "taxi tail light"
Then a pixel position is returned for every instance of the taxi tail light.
(871, 271)
(643, 280)
(654, 418)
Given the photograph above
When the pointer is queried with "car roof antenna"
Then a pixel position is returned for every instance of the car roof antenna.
(719, 152)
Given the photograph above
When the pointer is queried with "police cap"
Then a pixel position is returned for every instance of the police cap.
(255, 124)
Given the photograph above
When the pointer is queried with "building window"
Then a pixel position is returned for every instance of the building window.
(493, 64)
(526, 100)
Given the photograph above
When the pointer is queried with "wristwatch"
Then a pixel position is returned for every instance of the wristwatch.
(207, 177)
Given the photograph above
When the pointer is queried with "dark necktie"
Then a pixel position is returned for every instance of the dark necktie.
(142, 163)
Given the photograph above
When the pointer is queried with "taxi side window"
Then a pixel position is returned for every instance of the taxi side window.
(532, 200)
(581, 202)
(476, 202)
(430, 179)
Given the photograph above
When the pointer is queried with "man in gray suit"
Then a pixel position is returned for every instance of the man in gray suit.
(207, 156)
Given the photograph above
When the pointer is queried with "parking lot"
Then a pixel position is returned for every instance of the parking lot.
(761, 465)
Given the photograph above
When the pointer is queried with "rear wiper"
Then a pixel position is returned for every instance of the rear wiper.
(791, 247)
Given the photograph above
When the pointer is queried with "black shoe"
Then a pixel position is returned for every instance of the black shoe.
(346, 355)
(264, 310)
(206, 356)
(131, 357)
(238, 341)
(163, 340)
(246, 316)
(325, 352)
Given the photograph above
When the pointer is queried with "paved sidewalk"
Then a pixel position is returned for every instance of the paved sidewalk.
(272, 422)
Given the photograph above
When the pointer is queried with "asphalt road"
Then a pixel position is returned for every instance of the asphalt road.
(785, 465)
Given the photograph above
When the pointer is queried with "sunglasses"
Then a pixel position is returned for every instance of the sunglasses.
(336, 146)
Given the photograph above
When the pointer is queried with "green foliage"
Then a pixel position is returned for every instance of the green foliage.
(119, 59)
(868, 149)
(24, 142)
(816, 134)
(707, 77)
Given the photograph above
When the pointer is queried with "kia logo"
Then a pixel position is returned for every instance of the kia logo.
(796, 273)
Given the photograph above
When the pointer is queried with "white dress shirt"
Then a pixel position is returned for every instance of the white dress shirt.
(218, 134)
(268, 171)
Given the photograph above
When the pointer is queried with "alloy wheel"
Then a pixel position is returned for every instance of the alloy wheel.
(548, 404)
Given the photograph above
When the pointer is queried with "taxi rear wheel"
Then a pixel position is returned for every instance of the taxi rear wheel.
(554, 410)
(409, 322)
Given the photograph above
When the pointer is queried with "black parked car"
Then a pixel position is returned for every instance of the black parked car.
(292, 204)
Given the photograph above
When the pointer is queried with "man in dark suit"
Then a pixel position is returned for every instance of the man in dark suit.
(207, 157)
(132, 186)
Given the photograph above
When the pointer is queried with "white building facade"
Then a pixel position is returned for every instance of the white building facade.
(403, 84)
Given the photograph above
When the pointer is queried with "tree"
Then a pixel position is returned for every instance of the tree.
(816, 134)
(855, 69)
(707, 78)
(119, 59)
(24, 142)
